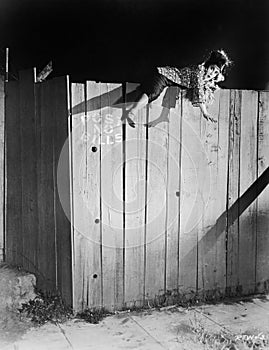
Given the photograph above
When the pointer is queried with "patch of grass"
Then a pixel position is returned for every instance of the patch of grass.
(51, 308)
(225, 340)
(191, 298)
(186, 300)
(46, 308)
(94, 315)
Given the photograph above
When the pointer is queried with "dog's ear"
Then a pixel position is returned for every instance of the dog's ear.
(189, 94)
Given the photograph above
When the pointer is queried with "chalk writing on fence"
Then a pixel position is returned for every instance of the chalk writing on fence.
(102, 129)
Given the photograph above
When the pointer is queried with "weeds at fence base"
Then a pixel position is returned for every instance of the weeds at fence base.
(184, 299)
(94, 315)
(51, 308)
(46, 308)
(193, 298)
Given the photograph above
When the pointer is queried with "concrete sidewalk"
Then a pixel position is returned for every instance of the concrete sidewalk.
(170, 328)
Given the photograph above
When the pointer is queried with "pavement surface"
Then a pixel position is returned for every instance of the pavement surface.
(170, 328)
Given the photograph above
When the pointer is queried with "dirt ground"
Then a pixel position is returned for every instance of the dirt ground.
(236, 325)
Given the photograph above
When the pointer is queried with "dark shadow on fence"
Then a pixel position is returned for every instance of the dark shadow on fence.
(111, 99)
(227, 218)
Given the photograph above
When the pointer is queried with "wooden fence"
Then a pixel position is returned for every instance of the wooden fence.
(179, 208)
(38, 234)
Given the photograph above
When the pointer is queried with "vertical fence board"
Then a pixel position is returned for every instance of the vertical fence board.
(45, 184)
(204, 197)
(233, 191)
(248, 174)
(2, 164)
(174, 190)
(93, 257)
(156, 234)
(190, 210)
(63, 228)
(212, 246)
(29, 227)
(262, 264)
(80, 216)
(112, 197)
(222, 175)
(135, 170)
(13, 174)
(207, 267)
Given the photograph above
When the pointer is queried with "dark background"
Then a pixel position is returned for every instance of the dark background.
(118, 40)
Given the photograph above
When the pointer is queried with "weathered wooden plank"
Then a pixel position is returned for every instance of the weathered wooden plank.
(174, 187)
(29, 227)
(93, 200)
(190, 200)
(2, 165)
(46, 261)
(135, 183)
(112, 198)
(13, 176)
(222, 175)
(248, 174)
(60, 88)
(79, 211)
(207, 267)
(212, 244)
(233, 192)
(262, 263)
(156, 203)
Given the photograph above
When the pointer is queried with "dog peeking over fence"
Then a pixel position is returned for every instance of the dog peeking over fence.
(201, 81)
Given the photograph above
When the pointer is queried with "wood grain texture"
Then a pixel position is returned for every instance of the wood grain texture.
(62, 218)
(45, 186)
(212, 244)
(262, 263)
(222, 184)
(156, 204)
(135, 196)
(173, 188)
(29, 227)
(248, 174)
(2, 165)
(14, 176)
(93, 202)
(79, 212)
(190, 199)
(233, 191)
(112, 197)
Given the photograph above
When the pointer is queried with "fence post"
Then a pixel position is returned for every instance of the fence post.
(2, 163)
